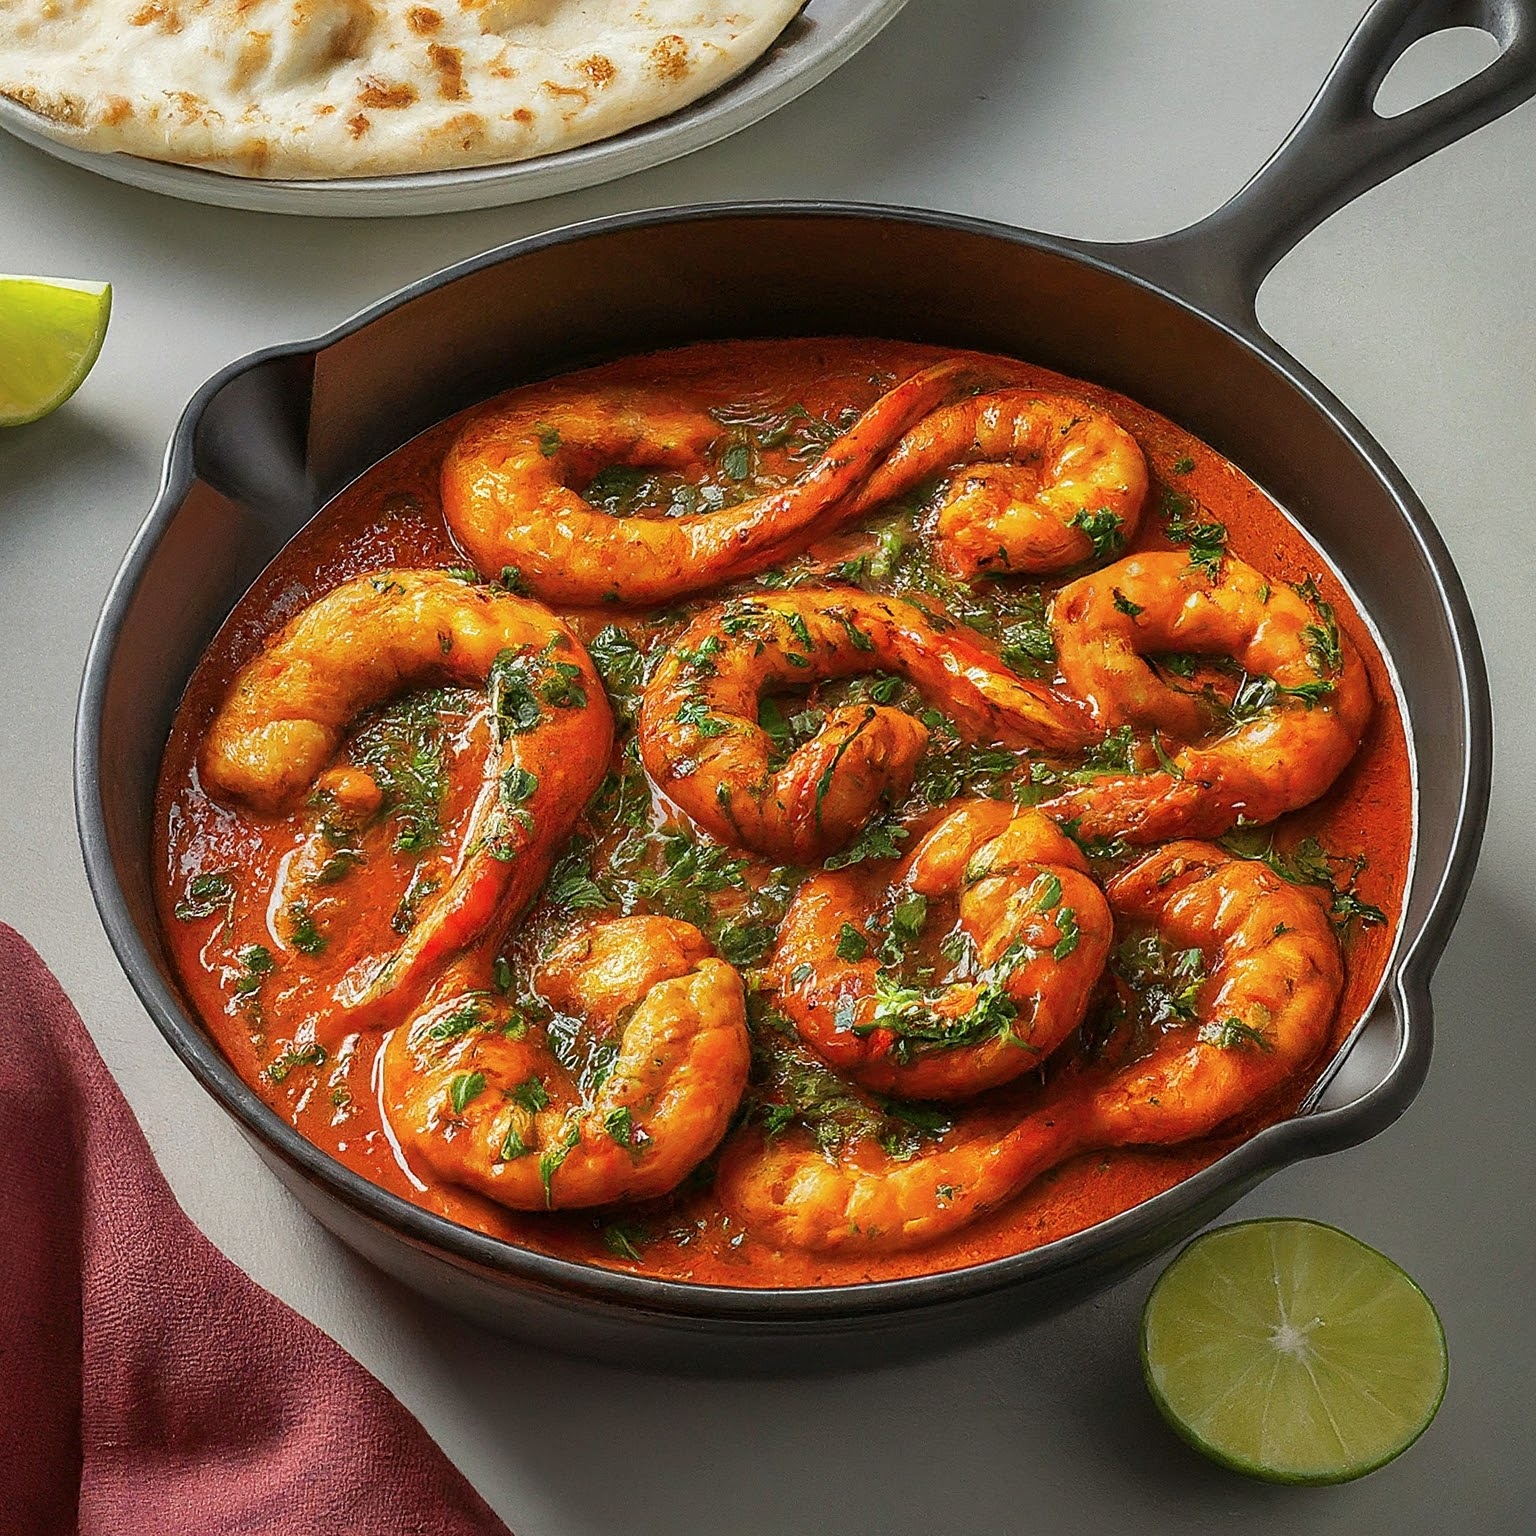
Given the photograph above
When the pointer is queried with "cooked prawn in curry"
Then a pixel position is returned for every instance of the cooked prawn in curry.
(788, 813)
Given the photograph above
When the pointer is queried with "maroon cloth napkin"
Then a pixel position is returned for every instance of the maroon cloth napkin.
(147, 1386)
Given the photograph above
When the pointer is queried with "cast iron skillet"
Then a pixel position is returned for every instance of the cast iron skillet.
(1170, 322)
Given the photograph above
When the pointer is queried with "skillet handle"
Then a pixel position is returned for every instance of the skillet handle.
(1341, 147)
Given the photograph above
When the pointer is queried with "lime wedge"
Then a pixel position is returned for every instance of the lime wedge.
(50, 333)
(1292, 1352)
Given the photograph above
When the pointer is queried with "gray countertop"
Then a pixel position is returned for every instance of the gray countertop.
(1100, 119)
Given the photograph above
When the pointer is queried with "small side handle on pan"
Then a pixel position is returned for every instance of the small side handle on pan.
(1341, 147)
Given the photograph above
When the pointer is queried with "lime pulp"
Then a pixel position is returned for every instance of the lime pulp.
(1290, 1351)
(50, 334)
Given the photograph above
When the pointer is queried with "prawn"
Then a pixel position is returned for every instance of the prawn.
(1261, 1017)
(1034, 932)
(701, 742)
(482, 1100)
(372, 637)
(1299, 716)
(1060, 482)
(508, 487)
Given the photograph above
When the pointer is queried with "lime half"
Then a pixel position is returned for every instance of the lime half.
(1292, 1352)
(50, 333)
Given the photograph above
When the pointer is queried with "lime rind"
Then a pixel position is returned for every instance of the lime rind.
(51, 333)
(1290, 1351)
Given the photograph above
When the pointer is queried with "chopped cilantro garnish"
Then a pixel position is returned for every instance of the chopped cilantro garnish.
(621, 664)
(312, 1055)
(463, 1088)
(851, 944)
(1068, 933)
(879, 840)
(1322, 638)
(625, 1240)
(736, 460)
(1309, 863)
(459, 1021)
(1233, 1034)
(1105, 530)
(1207, 541)
(620, 1126)
(255, 966)
(207, 894)
(909, 1014)
(695, 713)
(531, 1095)
(302, 932)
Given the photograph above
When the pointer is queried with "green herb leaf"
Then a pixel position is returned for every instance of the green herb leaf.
(1105, 530)
(207, 894)
(851, 944)
(909, 1014)
(458, 1022)
(338, 866)
(1309, 863)
(1322, 638)
(571, 884)
(621, 664)
(312, 1055)
(1068, 933)
(881, 839)
(736, 461)
(904, 927)
(744, 943)
(463, 1087)
(302, 933)
(695, 713)
(625, 1240)
(516, 786)
(532, 1095)
(1207, 541)
(1256, 696)
(402, 747)
(1167, 763)
(550, 1162)
(256, 964)
(1233, 1034)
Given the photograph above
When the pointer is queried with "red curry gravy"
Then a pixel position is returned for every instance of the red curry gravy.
(260, 973)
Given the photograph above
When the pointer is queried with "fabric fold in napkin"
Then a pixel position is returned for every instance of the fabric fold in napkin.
(147, 1386)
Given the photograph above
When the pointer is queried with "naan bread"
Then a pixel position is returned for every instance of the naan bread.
(310, 88)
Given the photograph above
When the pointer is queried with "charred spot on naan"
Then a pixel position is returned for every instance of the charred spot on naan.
(449, 65)
(669, 59)
(381, 96)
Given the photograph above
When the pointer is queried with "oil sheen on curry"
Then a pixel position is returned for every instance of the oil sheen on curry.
(788, 813)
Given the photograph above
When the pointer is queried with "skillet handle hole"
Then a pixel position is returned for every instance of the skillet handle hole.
(1434, 65)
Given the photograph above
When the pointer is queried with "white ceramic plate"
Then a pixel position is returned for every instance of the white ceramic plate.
(825, 34)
